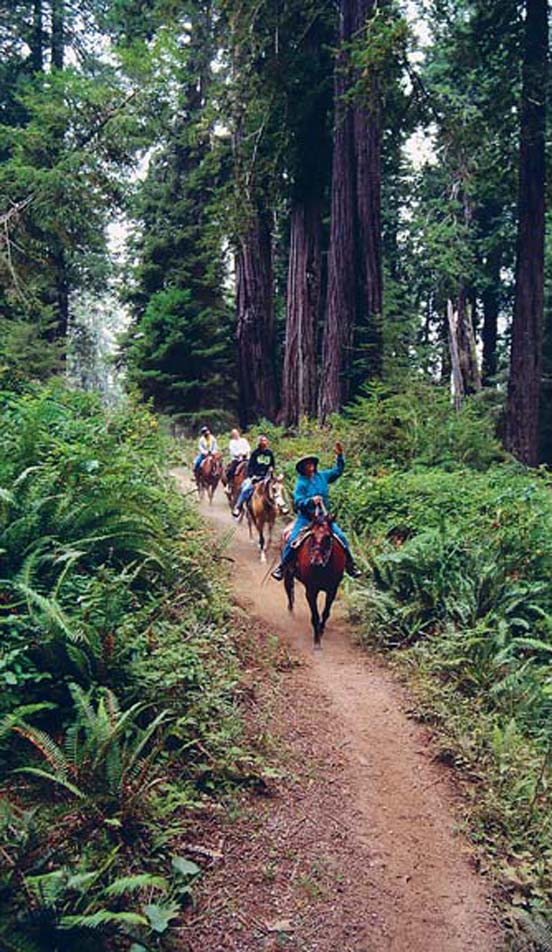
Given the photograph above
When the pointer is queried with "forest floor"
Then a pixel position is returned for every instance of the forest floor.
(355, 846)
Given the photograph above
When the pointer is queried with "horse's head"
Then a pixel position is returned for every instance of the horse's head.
(321, 539)
(275, 490)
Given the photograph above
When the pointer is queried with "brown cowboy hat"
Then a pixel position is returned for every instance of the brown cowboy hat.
(305, 459)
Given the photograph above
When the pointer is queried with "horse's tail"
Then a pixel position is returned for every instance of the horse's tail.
(289, 582)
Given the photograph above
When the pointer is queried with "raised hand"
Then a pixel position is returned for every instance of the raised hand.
(338, 449)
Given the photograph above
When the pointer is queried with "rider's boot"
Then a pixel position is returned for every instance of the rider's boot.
(280, 571)
(236, 512)
(352, 568)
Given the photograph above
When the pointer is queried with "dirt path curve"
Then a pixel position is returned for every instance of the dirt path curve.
(420, 887)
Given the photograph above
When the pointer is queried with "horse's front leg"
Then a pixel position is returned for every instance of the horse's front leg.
(330, 598)
(262, 545)
(312, 598)
(270, 531)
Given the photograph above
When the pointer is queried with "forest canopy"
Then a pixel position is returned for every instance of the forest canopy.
(313, 197)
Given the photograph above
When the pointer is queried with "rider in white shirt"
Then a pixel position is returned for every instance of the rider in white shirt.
(239, 449)
(238, 446)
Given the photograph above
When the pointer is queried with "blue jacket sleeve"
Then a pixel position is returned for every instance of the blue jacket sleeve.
(301, 499)
(330, 475)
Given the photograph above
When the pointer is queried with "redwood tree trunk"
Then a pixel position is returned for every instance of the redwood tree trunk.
(522, 414)
(303, 311)
(340, 295)
(255, 322)
(352, 347)
(367, 157)
(465, 339)
(309, 173)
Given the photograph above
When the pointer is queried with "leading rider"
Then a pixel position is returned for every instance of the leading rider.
(206, 447)
(312, 492)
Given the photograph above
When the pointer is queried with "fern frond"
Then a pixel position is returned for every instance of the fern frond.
(9, 721)
(132, 884)
(101, 918)
(146, 737)
(53, 778)
(52, 611)
(46, 746)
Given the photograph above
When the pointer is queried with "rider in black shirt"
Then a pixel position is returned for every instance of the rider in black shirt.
(260, 461)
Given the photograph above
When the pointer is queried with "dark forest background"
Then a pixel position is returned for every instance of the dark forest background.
(317, 197)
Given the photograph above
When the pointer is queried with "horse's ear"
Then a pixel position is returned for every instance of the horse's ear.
(280, 478)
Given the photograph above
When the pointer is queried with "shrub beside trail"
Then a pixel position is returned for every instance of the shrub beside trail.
(119, 672)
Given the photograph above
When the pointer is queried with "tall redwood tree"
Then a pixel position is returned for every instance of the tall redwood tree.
(522, 414)
(255, 321)
(340, 295)
(352, 345)
(367, 337)
(310, 156)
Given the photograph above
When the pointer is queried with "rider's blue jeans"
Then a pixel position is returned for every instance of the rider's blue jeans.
(300, 524)
(198, 461)
(246, 492)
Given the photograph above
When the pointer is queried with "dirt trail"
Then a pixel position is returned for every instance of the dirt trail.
(414, 882)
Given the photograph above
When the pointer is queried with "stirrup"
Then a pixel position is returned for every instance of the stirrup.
(352, 569)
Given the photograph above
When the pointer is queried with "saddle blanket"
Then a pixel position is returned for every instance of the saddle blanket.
(304, 534)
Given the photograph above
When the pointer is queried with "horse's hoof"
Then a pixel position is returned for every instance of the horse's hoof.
(318, 646)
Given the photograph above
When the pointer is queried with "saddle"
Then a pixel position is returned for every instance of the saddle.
(303, 535)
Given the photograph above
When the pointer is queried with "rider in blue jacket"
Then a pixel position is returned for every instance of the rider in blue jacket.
(312, 490)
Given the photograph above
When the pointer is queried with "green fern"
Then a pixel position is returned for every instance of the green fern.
(131, 884)
(101, 918)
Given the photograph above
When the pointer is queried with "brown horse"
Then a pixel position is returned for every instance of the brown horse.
(208, 475)
(319, 564)
(232, 486)
(263, 507)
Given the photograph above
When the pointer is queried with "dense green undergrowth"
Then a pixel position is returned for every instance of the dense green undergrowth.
(456, 541)
(118, 674)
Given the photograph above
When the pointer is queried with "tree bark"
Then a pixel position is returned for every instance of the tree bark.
(340, 295)
(255, 322)
(352, 347)
(303, 311)
(368, 344)
(467, 351)
(458, 390)
(309, 174)
(522, 412)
